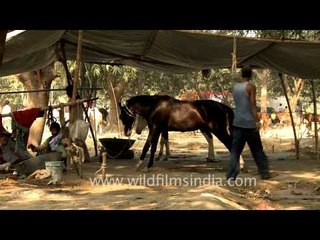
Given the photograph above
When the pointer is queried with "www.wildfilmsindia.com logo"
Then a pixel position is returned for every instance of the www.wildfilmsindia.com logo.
(166, 180)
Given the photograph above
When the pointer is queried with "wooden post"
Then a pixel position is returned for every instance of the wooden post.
(103, 168)
(296, 141)
(104, 165)
(314, 98)
(3, 36)
(234, 55)
(76, 79)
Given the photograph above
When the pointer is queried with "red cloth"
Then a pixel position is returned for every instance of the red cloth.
(24, 119)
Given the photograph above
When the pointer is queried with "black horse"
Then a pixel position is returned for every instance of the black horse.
(164, 113)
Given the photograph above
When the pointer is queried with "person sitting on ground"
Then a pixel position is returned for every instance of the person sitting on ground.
(9, 155)
(52, 144)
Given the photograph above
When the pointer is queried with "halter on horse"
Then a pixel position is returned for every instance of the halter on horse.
(164, 113)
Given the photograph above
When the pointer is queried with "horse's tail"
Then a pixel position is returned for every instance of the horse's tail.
(230, 117)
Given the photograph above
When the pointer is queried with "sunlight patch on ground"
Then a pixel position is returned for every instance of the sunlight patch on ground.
(307, 175)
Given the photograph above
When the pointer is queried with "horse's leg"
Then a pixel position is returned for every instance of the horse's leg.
(166, 142)
(211, 155)
(154, 142)
(145, 149)
(162, 142)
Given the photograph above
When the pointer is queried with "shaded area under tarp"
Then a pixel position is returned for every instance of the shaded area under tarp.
(162, 50)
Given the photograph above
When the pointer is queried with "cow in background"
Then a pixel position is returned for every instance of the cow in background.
(309, 118)
(98, 119)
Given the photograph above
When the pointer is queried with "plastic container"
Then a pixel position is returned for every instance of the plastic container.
(56, 168)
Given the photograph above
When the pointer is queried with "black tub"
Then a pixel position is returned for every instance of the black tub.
(118, 147)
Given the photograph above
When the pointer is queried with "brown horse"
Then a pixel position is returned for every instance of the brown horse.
(164, 113)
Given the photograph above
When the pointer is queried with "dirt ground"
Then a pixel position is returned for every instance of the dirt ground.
(183, 182)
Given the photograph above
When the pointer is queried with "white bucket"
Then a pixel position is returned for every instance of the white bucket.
(55, 167)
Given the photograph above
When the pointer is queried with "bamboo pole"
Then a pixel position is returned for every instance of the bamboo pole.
(43, 90)
(234, 55)
(296, 140)
(314, 98)
(77, 74)
(75, 90)
(3, 35)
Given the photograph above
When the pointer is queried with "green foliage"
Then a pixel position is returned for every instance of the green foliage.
(155, 82)
(309, 35)
(11, 84)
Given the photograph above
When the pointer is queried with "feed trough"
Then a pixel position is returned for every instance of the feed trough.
(118, 147)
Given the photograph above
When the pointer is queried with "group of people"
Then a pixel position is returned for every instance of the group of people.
(10, 155)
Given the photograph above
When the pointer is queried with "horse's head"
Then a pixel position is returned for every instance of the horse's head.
(127, 118)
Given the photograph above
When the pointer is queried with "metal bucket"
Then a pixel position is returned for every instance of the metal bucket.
(55, 167)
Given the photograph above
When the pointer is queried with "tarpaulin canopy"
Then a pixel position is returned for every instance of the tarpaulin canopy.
(161, 50)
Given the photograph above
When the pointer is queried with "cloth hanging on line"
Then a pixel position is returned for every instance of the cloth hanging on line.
(21, 122)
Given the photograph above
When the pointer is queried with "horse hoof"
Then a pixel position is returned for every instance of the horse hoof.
(158, 159)
(210, 160)
(145, 170)
(244, 170)
(138, 166)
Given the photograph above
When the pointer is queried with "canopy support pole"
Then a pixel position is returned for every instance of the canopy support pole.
(296, 140)
(77, 75)
(314, 99)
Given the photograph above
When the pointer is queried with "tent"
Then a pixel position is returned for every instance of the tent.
(171, 51)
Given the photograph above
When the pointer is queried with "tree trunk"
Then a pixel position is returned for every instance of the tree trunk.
(294, 94)
(198, 75)
(141, 76)
(37, 80)
(115, 90)
(298, 84)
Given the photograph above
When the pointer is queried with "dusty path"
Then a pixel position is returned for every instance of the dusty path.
(184, 182)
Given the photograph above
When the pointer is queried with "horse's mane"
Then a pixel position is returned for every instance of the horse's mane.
(148, 99)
